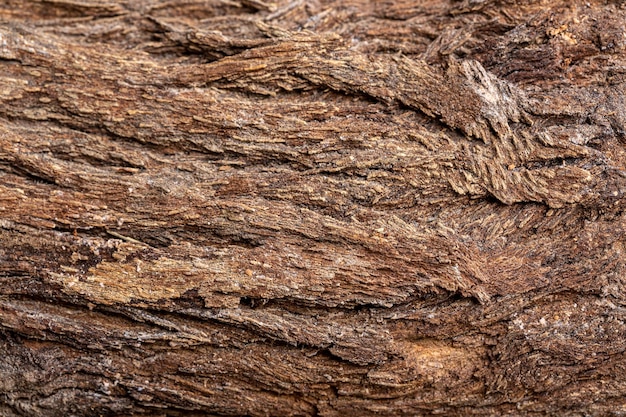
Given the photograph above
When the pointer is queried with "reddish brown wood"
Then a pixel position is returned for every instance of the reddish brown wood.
(312, 208)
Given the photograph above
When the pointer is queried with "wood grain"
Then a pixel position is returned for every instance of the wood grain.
(312, 208)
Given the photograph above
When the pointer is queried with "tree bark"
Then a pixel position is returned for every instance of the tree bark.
(312, 208)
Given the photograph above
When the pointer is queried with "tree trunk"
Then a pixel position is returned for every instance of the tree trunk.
(332, 208)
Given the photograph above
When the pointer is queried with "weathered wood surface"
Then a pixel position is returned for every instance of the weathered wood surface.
(312, 208)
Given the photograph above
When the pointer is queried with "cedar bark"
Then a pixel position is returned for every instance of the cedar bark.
(312, 208)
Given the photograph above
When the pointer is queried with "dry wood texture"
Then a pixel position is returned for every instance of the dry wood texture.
(312, 208)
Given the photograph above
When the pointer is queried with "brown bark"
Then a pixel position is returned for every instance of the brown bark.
(312, 208)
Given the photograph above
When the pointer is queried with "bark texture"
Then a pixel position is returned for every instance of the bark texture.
(312, 208)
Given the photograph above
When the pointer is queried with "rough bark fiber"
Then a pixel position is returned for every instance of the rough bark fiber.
(312, 208)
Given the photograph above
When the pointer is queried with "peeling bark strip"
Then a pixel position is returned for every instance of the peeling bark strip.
(312, 208)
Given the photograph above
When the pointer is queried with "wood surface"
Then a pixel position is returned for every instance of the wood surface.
(325, 208)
